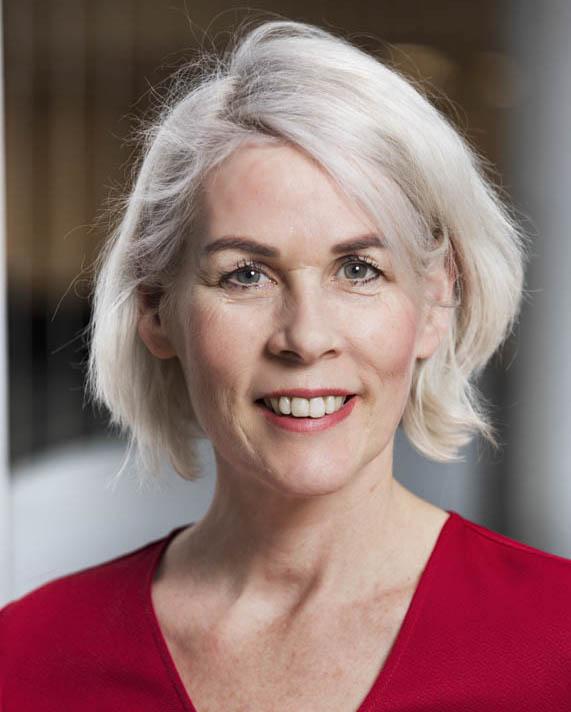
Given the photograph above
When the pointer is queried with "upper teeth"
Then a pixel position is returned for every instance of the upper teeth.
(305, 407)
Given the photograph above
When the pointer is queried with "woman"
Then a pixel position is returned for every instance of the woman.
(309, 257)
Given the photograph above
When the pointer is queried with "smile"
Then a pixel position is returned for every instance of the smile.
(307, 415)
(305, 407)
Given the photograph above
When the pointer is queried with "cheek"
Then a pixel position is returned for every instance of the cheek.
(219, 346)
(389, 342)
(224, 341)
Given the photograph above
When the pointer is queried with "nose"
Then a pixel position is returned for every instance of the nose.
(307, 328)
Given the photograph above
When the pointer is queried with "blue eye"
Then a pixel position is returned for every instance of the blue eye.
(249, 270)
(247, 273)
(362, 265)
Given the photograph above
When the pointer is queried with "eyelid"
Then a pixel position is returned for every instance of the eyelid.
(252, 263)
(244, 263)
(344, 259)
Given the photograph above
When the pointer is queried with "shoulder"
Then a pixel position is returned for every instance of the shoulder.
(79, 586)
(519, 582)
(480, 540)
(82, 609)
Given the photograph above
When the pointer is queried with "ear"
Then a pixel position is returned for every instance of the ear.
(150, 327)
(439, 308)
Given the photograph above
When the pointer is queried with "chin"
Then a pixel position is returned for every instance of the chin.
(307, 481)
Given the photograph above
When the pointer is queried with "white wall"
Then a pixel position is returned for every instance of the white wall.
(540, 491)
(67, 515)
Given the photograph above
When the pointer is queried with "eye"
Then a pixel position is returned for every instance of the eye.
(355, 267)
(247, 274)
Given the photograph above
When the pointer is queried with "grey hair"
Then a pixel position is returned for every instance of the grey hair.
(386, 146)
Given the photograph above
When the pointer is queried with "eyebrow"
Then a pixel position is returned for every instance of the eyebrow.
(245, 244)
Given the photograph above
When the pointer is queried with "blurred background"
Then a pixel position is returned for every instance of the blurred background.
(80, 74)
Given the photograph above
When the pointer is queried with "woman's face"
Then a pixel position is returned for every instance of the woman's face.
(301, 311)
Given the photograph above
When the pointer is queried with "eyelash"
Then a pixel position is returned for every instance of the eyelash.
(244, 264)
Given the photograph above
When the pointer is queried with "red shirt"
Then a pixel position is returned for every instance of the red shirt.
(488, 630)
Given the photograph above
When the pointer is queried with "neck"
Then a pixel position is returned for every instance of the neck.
(256, 546)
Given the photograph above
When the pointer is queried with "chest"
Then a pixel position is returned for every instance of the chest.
(326, 662)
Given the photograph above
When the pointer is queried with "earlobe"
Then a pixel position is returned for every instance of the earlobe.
(154, 336)
(433, 331)
(151, 328)
(439, 311)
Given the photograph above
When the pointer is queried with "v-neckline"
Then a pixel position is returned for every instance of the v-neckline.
(373, 700)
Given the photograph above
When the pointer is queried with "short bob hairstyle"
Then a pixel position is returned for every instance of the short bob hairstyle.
(385, 145)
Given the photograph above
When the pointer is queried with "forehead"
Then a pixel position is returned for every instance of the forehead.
(277, 193)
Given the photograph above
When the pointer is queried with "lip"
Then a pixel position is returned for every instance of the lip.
(308, 393)
(309, 425)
